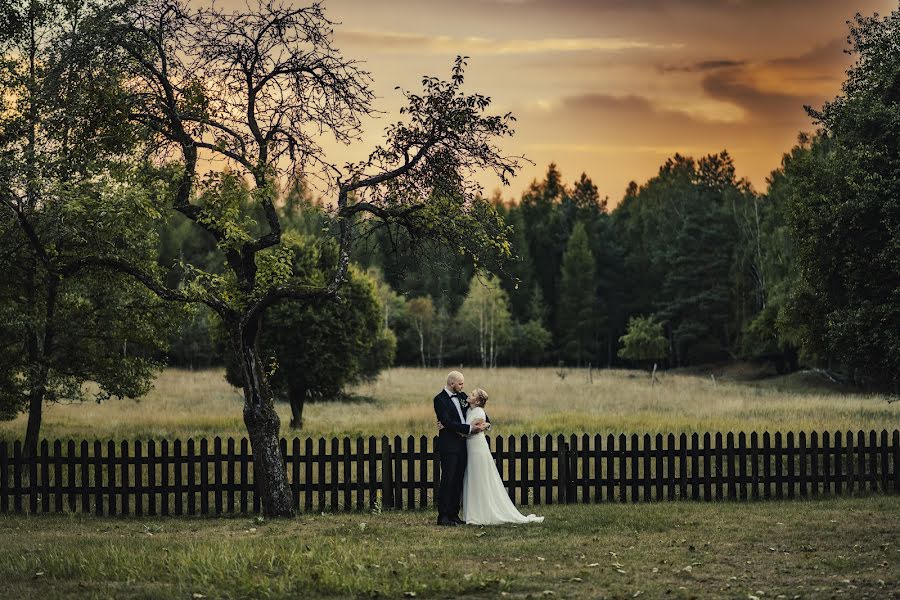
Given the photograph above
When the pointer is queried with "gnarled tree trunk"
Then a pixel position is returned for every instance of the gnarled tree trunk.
(263, 425)
(297, 399)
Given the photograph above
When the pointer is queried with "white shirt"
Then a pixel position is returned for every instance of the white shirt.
(462, 419)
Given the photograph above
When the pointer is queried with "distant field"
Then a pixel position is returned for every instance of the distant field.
(201, 404)
(834, 548)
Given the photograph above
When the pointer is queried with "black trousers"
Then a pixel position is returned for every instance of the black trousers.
(453, 469)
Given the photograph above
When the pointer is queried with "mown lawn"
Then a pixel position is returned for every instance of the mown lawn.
(831, 548)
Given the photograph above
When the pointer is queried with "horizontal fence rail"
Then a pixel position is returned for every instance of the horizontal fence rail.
(191, 478)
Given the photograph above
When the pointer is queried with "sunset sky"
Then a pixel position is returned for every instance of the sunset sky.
(614, 87)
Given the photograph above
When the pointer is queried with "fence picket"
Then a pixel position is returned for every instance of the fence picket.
(164, 475)
(423, 471)
(814, 463)
(217, 474)
(732, 483)
(17, 476)
(151, 477)
(335, 483)
(623, 468)
(659, 454)
(861, 457)
(670, 465)
(387, 490)
(754, 465)
(57, 476)
(308, 481)
(742, 461)
(98, 479)
(513, 483)
(111, 477)
(536, 469)
(801, 459)
(348, 476)
(4, 477)
(176, 466)
(45, 477)
(695, 466)
(646, 455)
(138, 479)
(789, 453)
(610, 468)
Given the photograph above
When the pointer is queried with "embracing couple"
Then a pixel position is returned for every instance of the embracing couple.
(468, 472)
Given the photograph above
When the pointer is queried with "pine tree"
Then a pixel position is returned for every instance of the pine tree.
(577, 316)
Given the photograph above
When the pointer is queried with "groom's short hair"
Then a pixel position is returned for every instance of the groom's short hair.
(454, 376)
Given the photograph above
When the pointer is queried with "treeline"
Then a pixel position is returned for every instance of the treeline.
(695, 257)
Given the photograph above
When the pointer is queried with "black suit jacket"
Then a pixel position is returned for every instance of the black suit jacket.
(450, 438)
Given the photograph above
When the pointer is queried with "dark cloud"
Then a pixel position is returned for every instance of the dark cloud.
(801, 79)
(702, 66)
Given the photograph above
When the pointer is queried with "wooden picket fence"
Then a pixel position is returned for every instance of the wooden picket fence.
(137, 478)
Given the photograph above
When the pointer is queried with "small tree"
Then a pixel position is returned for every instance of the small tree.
(644, 342)
(421, 313)
(317, 351)
(68, 187)
(484, 316)
(530, 341)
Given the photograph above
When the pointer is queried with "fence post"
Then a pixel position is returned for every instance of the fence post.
(387, 474)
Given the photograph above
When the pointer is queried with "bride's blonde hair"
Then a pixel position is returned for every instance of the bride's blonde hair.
(481, 395)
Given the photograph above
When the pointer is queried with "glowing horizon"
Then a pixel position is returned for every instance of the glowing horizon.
(608, 87)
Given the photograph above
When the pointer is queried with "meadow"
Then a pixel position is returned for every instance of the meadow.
(199, 404)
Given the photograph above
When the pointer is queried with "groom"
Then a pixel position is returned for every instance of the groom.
(450, 407)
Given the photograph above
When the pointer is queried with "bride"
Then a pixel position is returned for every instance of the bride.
(485, 501)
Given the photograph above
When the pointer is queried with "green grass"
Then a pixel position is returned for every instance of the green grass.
(832, 548)
(523, 401)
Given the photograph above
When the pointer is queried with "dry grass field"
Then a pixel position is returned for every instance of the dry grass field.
(201, 404)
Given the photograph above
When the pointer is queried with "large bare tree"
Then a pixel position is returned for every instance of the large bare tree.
(260, 89)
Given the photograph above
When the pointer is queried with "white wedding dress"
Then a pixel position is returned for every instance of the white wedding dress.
(485, 501)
